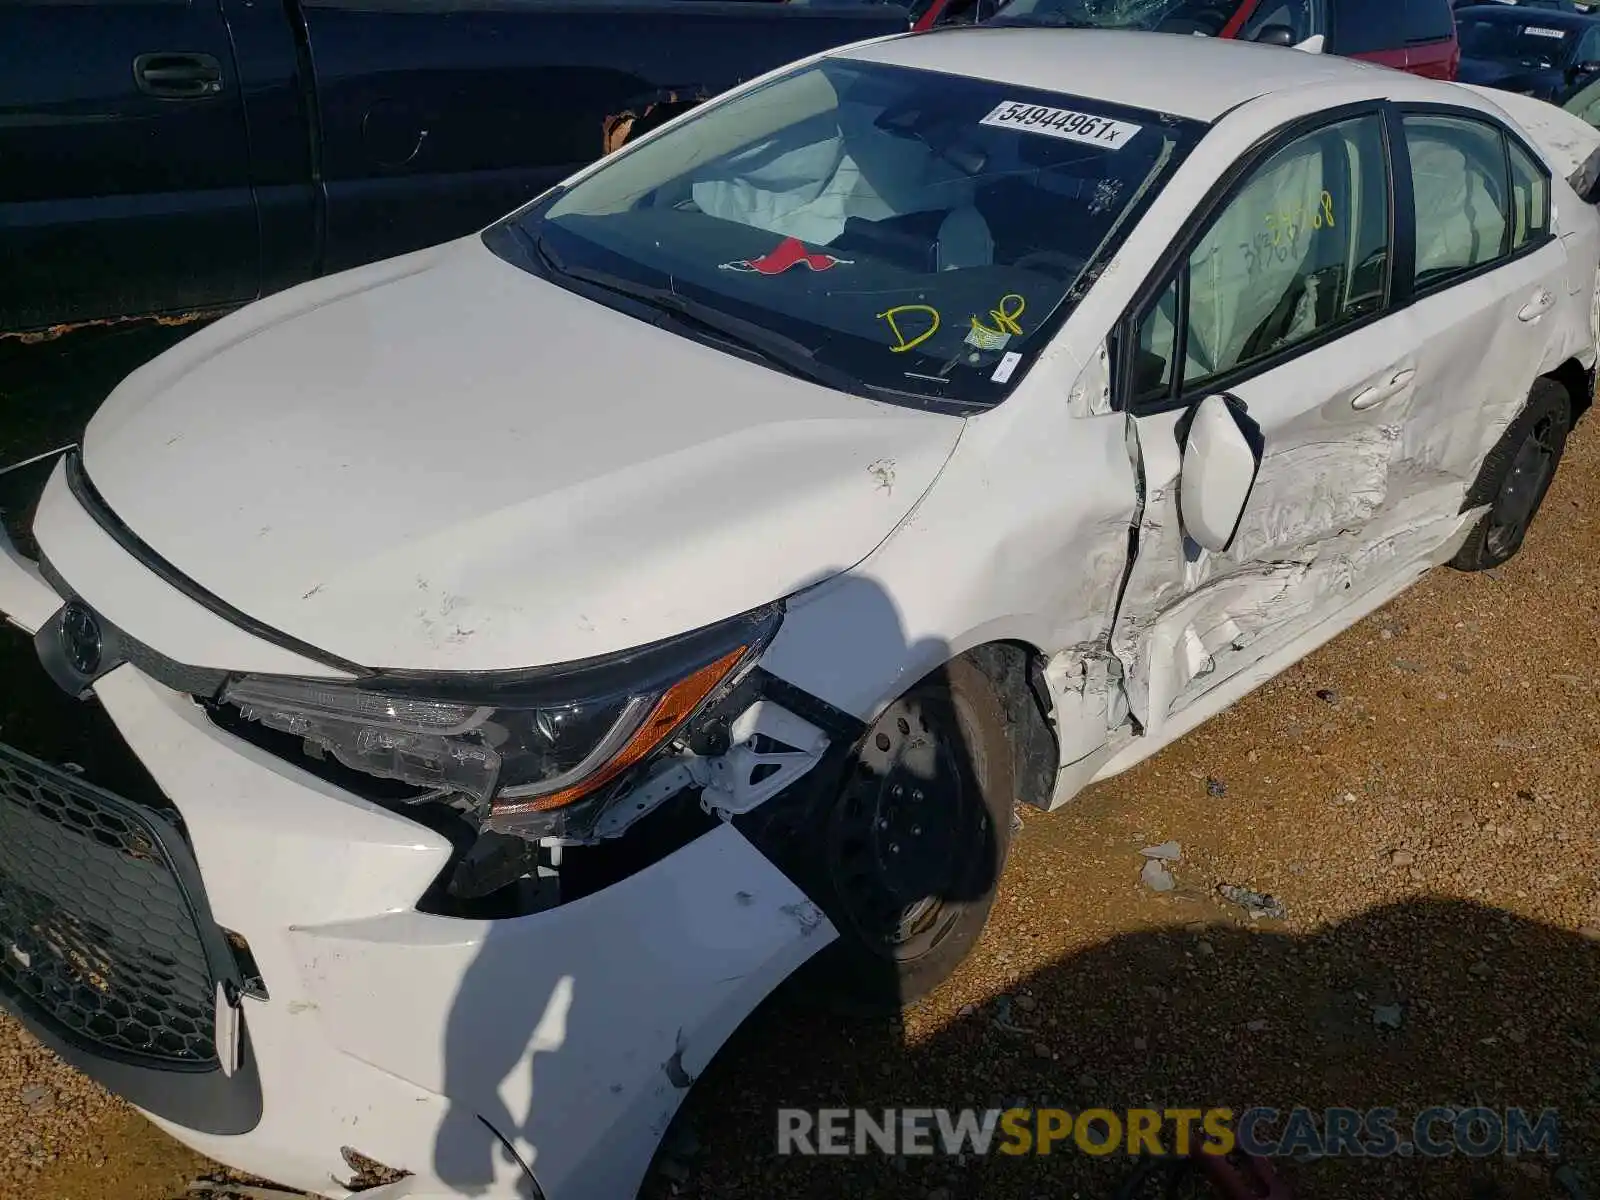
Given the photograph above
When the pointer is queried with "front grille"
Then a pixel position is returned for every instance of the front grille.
(103, 935)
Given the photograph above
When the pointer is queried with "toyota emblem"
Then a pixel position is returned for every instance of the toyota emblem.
(81, 639)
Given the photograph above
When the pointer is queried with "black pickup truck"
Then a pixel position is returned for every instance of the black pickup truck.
(174, 156)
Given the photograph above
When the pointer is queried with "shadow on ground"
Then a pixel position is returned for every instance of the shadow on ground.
(1196, 1017)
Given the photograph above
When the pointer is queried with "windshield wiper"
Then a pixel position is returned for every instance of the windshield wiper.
(786, 353)
(744, 337)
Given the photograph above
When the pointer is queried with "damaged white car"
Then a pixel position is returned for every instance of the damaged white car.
(541, 646)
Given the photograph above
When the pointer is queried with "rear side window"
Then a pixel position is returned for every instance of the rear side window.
(1530, 199)
(1365, 26)
(1459, 177)
(1428, 21)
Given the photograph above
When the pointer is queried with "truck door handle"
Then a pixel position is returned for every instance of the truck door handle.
(178, 76)
(1375, 395)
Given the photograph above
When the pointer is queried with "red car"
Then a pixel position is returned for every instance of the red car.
(1412, 35)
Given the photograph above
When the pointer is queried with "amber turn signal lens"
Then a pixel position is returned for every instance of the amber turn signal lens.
(674, 707)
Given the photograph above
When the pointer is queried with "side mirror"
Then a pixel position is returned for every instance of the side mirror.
(1221, 456)
(1276, 35)
(1587, 67)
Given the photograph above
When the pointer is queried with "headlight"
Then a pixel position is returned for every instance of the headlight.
(522, 743)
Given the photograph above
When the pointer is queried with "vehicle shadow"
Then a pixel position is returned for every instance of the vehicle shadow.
(1492, 1010)
(576, 1033)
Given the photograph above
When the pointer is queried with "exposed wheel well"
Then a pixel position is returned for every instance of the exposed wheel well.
(1016, 671)
(1579, 382)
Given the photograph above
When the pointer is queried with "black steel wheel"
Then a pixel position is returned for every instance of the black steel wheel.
(914, 840)
(1515, 476)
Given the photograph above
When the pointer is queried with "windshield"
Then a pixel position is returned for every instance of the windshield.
(1209, 17)
(894, 232)
(1528, 45)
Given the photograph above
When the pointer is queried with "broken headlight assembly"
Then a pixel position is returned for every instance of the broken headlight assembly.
(533, 753)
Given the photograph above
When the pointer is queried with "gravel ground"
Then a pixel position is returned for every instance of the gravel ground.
(1422, 797)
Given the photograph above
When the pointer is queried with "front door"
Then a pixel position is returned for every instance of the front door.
(1283, 304)
(124, 162)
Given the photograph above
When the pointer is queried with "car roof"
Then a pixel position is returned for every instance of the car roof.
(1527, 14)
(1196, 77)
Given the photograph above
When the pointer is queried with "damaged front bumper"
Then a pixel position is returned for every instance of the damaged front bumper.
(536, 1055)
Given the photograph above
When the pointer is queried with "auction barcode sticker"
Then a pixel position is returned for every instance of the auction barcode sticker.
(1541, 31)
(1062, 123)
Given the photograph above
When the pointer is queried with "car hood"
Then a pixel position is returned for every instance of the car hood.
(441, 462)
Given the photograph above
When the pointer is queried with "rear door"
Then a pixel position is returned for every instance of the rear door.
(1282, 304)
(1489, 275)
(124, 162)
(438, 117)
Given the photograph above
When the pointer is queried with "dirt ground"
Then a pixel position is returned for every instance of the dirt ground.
(1422, 795)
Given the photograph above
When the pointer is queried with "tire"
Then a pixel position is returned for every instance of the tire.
(1515, 476)
(913, 837)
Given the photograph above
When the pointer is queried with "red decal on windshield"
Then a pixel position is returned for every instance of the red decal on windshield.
(788, 253)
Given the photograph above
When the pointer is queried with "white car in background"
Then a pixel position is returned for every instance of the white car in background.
(544, 644)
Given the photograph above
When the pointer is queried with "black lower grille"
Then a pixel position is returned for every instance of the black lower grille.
(103, 937)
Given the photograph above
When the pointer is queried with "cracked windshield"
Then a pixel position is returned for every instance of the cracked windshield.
(898, 233)
(1207, 17)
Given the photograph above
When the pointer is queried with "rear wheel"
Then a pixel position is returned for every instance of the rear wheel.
(914, 840)
(1515, 477)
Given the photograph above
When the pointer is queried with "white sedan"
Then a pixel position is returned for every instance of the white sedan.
(544, 644)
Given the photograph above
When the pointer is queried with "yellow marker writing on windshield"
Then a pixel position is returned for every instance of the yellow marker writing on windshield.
(987, 337)
(907, 343)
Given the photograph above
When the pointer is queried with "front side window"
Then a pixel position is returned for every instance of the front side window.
(1458, 174)
(1155, 354)
(1300, 249)
(897, 232)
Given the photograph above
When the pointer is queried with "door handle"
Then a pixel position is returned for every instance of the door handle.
(1376, 394)
(177, 76)
(1538, 306)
